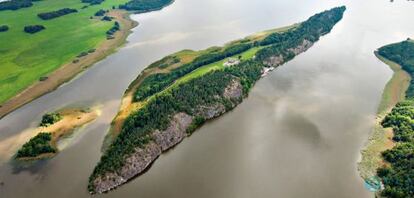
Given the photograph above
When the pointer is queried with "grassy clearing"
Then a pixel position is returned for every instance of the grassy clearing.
(381, 138)
(24, 58)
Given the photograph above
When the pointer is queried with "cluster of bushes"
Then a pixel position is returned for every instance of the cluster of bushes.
(113, 29)
(145, 5)
(40, 144)
(93, 2)
(206, 90)
(398, 176)
(203, 91)
(15, 4)
(106, 18)
(31, 29)
(4, 28)
(49, 119)
(100, 12)
(277, 44)
(55, 14)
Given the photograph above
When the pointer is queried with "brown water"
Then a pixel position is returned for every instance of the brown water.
(297, 135)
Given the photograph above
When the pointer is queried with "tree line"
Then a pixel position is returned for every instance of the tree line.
(277, 44)
(57, 13)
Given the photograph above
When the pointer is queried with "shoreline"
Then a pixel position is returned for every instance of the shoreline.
(380, 139)
(70, 70)
(127, 103)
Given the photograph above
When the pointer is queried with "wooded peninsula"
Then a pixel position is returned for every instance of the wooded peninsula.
(174, 96)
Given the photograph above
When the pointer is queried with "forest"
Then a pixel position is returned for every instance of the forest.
(145, 5)
(55, 14)
(398, 175)
(190, 96)
(40, 144)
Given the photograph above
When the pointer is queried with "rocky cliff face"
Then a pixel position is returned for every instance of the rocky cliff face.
(142, 158)
(137, 162)
(274, 61)
(301, 48)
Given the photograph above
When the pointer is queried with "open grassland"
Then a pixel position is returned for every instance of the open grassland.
(24, 58)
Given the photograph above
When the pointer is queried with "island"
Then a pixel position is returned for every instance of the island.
(45, 43)
(174, 96)
(387, 163)
(52, 128)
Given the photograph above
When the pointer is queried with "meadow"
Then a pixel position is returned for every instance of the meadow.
(25, 58)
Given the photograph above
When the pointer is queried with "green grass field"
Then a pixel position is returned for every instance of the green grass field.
(24, 58)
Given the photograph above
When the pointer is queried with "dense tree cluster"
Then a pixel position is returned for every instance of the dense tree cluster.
(93, 2)
(398, 176)
(31, 29)
(49, 119)
(113, 29)
(40, 144)
(57, 13)
(4, 28)
(15, 4)
(145, 5)
(188, 97)
(100, 12)
(277, 44)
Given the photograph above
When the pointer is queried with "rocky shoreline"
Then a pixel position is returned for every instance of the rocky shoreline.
(164, 140)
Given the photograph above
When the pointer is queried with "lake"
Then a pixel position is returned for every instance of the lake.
(298, 134)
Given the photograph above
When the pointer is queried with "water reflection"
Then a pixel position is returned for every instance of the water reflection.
(297, 135)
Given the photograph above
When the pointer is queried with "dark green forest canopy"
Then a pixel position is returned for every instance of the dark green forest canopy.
(398, 177)
(206, 90)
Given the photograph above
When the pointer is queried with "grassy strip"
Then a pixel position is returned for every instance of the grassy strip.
(381, 138)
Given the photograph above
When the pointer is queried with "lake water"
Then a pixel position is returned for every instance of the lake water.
(298, 134)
